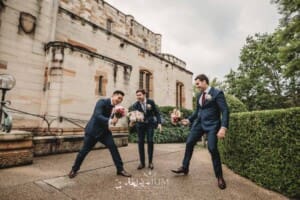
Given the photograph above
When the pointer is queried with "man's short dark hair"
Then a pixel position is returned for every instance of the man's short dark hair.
(119, 92)
(141, 90)
(202, 77)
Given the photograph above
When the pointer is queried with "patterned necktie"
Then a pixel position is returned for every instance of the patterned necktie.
(203, 98)
(144, 107)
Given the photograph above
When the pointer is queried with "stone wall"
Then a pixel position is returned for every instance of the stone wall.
(99, 12)
(46, 145)
(16, 148)
(58, 63)
(23, 55)
(81, 83)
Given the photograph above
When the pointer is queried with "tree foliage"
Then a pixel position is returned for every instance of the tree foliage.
(268, 76)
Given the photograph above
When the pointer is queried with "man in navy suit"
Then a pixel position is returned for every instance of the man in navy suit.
(152, 120)
(97, 130)
(211, 104)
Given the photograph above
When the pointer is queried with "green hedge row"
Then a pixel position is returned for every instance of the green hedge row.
(168, 135)
(234, 104)
(264, 146)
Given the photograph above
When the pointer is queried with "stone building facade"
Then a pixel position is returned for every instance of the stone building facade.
(67, 54)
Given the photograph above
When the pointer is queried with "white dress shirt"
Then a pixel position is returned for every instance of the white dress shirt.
(206, 92)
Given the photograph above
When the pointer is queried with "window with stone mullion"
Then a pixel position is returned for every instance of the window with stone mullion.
(147, 88)
(179, 95)
(141, 82)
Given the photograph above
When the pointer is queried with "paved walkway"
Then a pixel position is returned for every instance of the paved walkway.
(46, 178)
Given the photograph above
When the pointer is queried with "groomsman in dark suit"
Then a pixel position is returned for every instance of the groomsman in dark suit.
(211, 105)
(97, 130)
(152, 120)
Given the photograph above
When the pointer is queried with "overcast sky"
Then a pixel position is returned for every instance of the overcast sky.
(207, 34)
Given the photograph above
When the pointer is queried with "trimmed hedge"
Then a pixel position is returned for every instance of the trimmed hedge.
(168, 135)
(234, 104)
(264, 146)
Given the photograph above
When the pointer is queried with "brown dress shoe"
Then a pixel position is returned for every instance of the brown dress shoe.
(124, 173)
(180, 170)
(221, 183)
(72, 174)
(141, 166)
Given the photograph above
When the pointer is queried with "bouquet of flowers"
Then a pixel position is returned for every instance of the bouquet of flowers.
(119, 112)
(175, 116)
(135, 116)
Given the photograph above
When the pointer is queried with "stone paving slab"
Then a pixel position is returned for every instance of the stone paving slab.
(46, 178)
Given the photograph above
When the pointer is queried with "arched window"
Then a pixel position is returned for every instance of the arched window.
(179, 94)
(145, 82)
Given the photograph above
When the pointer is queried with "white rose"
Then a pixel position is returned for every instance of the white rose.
(149, 106)
(208, 97)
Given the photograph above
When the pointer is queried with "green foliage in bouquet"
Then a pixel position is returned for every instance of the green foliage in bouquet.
(264, 146)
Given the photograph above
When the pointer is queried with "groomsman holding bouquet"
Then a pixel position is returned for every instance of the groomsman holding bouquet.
(105, 115)
(211, 117)
(151, 120)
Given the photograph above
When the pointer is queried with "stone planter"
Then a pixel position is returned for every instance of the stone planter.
(16, 148)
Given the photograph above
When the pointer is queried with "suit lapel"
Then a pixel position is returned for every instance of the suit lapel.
(109, 106)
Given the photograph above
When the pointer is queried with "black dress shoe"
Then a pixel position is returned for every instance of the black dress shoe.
(72, 174)
(180, 170)
(221, 183)
(141, 166)
(124, 173)
(151, 166)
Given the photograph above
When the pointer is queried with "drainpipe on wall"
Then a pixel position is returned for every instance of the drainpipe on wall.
(53, 73)
(55, 6)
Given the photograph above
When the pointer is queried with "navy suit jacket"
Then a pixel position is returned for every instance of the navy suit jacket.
(208, 116)
(149, 114)
(98, 124)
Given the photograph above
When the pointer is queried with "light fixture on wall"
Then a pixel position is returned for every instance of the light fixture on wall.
(7, 82)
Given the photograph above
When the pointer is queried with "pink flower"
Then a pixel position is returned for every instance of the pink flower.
(119, 112)
(175, 116)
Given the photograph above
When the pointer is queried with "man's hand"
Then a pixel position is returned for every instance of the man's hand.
(185, 122)
(131, 124)
(159, 127)
(221, 133)
(114, 121)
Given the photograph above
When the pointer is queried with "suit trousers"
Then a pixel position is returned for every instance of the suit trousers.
(194, 135)
(89, 143)
(143, 130)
